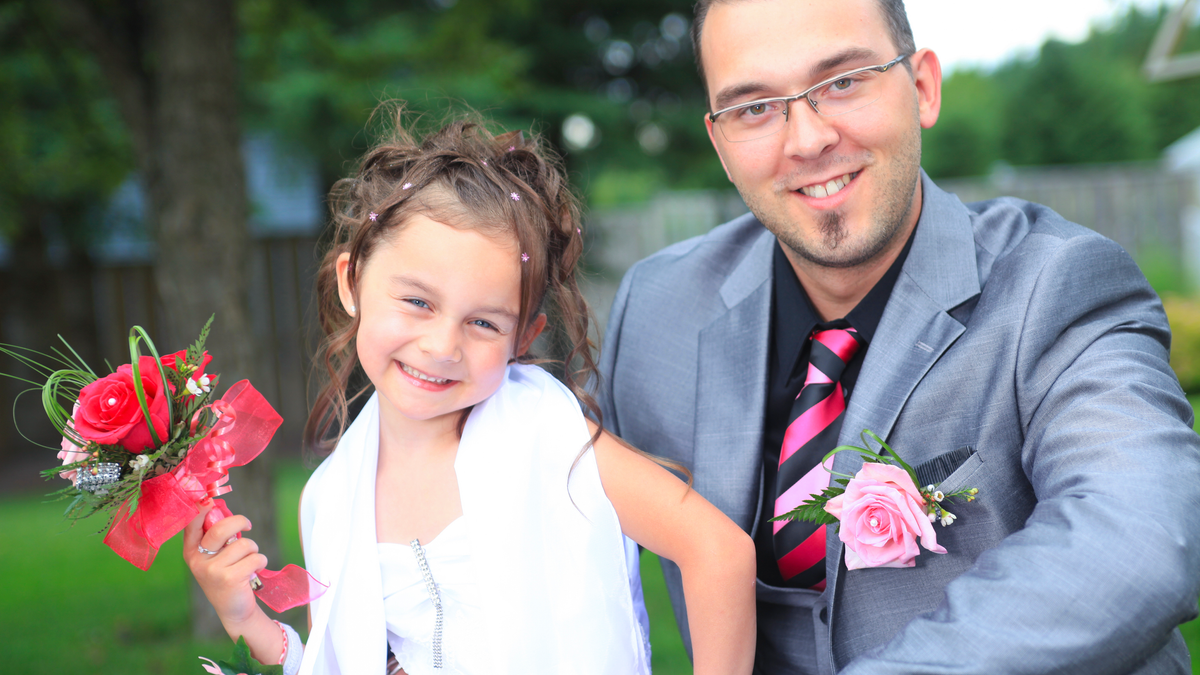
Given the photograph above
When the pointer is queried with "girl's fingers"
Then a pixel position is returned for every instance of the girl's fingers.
(224, 532)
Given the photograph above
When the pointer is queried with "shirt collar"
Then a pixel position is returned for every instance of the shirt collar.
(794, 317)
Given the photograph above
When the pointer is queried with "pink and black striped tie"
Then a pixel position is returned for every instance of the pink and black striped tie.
(816, 420)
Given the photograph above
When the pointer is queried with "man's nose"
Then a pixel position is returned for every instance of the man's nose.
(808, 134)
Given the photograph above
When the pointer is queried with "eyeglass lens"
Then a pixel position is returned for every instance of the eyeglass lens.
(837, 97)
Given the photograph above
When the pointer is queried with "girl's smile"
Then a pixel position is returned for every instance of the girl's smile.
(437, 308)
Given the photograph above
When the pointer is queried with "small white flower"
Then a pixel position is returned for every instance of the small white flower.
(938, 496)
(932, 516)
(197, 388)
(930, 488)
(139, 463)
(947, 518)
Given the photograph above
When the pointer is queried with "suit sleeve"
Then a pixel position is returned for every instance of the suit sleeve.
(1107, 565)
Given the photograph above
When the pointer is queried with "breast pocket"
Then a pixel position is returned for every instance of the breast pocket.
(951, 470)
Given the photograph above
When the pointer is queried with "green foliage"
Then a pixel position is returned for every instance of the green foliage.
(314, 70)
(1183, 313)
(195, 353)
(1073, 103)
(62, 144)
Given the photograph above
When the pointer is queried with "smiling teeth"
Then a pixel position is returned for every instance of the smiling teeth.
(422, 376)
(831, 188)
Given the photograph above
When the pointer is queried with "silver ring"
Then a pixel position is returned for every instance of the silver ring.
(206, 551)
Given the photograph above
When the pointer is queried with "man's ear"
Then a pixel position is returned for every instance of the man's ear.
(713, 139)
(535, 329)
(927, 75)
(345, 290)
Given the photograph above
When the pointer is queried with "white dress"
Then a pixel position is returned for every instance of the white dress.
(556, 582)
(412, 616)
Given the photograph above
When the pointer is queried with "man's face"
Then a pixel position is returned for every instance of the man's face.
(866, 161)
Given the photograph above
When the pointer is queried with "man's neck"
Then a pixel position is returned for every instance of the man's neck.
(834, 291)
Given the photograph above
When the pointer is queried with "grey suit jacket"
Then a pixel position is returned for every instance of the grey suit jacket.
(1020, 354)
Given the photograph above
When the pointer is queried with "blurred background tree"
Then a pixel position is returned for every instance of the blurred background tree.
(1074, 103)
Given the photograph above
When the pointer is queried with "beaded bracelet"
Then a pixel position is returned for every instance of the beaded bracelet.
(283, 654)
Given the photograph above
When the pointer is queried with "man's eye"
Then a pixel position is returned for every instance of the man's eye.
(842, 84)
(757, 109)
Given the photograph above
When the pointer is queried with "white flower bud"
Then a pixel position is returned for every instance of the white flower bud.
(947, 518)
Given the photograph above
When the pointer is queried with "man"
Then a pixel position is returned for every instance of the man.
(996, 346)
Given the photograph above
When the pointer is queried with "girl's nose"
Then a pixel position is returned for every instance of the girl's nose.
(441, 343)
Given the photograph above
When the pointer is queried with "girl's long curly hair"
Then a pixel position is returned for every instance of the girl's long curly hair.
(463, 176)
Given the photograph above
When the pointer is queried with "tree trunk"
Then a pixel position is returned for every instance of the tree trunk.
(198, 198)
(172, 66)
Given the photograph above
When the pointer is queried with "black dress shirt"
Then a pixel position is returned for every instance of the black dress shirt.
(792, 321)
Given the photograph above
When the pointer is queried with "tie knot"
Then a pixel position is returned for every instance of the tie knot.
(831, 350)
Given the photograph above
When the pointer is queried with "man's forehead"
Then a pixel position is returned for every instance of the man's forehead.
(760, 38)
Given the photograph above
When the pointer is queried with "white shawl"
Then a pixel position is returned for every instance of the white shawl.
(559, 583)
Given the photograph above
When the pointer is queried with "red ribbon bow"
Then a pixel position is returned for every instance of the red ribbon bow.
(169, 502)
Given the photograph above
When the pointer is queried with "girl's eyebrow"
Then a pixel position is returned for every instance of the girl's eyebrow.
(406, 280)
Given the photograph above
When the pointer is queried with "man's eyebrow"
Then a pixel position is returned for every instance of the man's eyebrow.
(825, 65)
(746, 90)
(727, 96)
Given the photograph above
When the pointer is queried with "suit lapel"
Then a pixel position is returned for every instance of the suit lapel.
(731, 383)
(915, 330)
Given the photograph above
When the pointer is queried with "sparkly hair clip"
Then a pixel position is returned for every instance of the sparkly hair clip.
(485, 162)
(514, 196)
(406, 186)
(524, 257)
(511, 148)
(373, 216)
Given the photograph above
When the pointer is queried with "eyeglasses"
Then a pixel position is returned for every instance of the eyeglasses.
(838, 95)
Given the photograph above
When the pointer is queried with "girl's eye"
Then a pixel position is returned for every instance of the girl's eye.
(485, 324)
(418, 302)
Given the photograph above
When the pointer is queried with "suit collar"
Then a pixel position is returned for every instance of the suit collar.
(731, 376)
(916, 329)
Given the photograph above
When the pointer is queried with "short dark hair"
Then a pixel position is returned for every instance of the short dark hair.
(893, 14)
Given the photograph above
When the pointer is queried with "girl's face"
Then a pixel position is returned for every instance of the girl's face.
(437, 310)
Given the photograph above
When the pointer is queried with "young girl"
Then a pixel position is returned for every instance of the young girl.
(471, 517)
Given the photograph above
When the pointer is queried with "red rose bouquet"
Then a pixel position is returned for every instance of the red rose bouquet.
(150, 445)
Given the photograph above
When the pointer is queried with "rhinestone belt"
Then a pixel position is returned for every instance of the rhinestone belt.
(435, 596)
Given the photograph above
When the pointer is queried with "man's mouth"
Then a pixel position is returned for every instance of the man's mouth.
(830, 188)
(422, 376)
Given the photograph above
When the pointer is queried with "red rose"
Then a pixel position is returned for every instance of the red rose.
(109, 412)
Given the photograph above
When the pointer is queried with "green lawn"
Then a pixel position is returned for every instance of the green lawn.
(71, 605)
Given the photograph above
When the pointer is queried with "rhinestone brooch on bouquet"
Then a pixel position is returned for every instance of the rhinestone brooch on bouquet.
(96, 479)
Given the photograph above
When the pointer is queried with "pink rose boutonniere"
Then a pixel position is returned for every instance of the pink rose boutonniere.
(880, 510)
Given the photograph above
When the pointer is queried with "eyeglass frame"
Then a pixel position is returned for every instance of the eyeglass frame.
(788, 100)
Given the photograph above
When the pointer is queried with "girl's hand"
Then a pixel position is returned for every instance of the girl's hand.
(225, 574)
